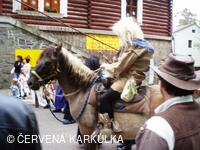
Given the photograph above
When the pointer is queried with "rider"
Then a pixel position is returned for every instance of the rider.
(133, 60)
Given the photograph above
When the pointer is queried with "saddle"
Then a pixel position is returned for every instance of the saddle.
(139, 104)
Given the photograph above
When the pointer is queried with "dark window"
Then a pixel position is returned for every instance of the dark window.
(32, 3)
(52, 6)
(193, 30)
(189, 43)
(131, 8)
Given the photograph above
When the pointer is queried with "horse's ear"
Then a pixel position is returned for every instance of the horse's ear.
(57, 49)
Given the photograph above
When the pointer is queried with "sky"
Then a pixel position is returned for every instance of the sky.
(180, 5)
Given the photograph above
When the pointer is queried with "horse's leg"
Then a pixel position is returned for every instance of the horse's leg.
(126, 145)
(79, 135)
(90, 146)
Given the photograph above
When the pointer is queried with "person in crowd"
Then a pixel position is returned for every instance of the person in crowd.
(15, 88)
(27, 66)
(17, 119)
(176, 123)
(23, 86)
(132, 63)
(59, 100)
(92, 62)
(17, 66)
(27, 70)
(49, 93)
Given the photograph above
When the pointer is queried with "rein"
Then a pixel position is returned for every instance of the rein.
(42, 80)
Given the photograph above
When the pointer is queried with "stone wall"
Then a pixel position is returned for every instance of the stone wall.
(162, 49)
(12, 38)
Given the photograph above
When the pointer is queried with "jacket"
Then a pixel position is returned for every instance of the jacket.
(133, 61)
(176, 126)
(17, 119)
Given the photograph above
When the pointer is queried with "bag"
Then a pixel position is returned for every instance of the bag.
(12, 70)
(129, 90)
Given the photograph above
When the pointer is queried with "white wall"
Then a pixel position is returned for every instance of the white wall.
(181, 42)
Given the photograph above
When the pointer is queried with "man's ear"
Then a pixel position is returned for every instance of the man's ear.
(161, 86)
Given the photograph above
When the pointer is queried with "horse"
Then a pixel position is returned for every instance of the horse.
(75, 79)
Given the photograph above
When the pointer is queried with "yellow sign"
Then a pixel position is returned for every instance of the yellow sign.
(111, 40)
(34, 54)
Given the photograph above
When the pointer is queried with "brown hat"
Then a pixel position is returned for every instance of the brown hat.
(179, 71)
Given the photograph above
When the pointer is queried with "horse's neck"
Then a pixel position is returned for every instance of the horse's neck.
(73, 73)
(66, 86)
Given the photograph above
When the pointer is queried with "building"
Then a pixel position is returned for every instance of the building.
(186, 41)
(21, 27)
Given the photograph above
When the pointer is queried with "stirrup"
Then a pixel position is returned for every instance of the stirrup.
(97, 130)
(115, 125)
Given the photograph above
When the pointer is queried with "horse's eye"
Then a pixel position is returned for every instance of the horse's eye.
(48, 63)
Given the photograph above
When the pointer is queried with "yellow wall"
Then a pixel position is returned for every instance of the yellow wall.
(32, 53)
(111, 40)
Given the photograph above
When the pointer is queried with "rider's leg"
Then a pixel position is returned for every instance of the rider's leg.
(107, 99)
(105, 120)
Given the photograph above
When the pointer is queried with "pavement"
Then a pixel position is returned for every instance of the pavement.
(56, 136)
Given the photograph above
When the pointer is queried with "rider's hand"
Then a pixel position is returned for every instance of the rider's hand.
(107, 82)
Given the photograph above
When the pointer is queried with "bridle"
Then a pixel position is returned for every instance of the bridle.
(42, 80)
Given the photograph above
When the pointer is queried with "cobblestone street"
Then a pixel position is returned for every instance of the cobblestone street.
(50, 128)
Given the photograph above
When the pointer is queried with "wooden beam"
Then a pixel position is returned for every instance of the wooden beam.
(1, 7)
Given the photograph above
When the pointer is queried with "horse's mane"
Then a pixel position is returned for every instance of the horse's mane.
(77, 73)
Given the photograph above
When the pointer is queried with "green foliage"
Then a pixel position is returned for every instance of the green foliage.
(187, 17)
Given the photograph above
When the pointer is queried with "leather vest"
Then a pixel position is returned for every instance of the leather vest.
(185, 121)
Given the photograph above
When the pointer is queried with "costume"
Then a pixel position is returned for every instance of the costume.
(133, 61)
(176, 124)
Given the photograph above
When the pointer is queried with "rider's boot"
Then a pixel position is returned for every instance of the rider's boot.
(106, 131)
(104, 127)
(115, 125)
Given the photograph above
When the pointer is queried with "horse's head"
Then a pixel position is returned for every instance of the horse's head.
(47, 68)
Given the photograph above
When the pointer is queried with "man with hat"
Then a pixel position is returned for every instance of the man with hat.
(176, 124)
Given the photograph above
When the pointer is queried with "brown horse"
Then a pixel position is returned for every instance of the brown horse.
(74, 78)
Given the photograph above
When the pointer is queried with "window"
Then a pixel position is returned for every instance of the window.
(52, 6)
(193, 30)
(32, 3)
(131, 8)
(189, 43)
(58, 7)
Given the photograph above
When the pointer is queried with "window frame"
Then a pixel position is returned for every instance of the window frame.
(23, 7)
(51, 6)
(131, 7)
(139, 9)
(17, 8)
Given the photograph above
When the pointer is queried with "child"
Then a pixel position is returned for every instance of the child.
(23, 86)
(15, 88)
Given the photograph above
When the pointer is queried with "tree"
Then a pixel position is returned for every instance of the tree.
(187, 17)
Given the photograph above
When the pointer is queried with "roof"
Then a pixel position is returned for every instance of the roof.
(179, 28)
